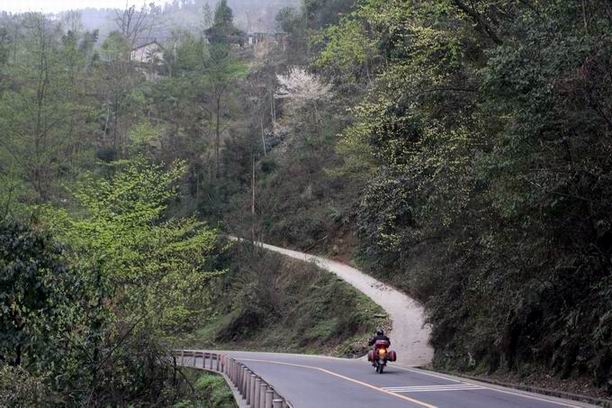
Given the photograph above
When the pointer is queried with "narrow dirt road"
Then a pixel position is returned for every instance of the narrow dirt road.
(410, 335)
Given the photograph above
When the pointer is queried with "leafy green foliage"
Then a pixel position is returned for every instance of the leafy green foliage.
(18, 388)
(47, 320)
(209, 391)
(91, 331)
(39, 107)
(40, 297)
(214, 386)
(223, 30)
(485, 138)
(155, 267)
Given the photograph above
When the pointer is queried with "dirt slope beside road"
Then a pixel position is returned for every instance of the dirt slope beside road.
(410, 335)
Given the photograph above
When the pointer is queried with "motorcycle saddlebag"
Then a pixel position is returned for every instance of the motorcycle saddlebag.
(371, 355)
(392, 355)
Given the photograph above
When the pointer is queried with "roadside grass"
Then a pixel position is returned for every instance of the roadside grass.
(209, 391)
(267, 302)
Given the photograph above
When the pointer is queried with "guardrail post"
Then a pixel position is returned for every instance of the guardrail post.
(277, 403)
(252, 390)
(247, 386)
(217, 358)
(235, 370)
(269, 398)
(257, 393)
(211, 360)
(262, 394)
(182, 356)
(244, 380)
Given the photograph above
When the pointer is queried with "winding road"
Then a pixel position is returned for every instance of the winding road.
(329, 382)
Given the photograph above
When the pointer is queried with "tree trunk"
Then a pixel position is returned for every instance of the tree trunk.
(263, 136)
(253, 197)
(217, 135)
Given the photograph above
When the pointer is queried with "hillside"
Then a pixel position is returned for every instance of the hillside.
(189, 15)
(458, 151)
(269, 303)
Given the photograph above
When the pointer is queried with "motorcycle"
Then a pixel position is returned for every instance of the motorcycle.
(381, 355)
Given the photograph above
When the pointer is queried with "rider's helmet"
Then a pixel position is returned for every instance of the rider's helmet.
(380, 332)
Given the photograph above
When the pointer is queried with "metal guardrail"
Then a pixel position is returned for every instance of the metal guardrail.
(253, 390)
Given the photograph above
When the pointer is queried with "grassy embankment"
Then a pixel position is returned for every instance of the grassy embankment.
(267, 302)
(208, 391)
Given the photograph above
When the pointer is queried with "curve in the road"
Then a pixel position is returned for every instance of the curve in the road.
(328, 382)
(410, 333)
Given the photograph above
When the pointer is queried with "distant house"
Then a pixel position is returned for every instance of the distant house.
(150, 52)
(149, 59)
(267, 40)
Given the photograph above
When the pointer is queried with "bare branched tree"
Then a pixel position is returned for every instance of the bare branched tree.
(135, 23)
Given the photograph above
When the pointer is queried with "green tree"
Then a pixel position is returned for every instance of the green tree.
(155, 267)
(478, 122)
(38, 295)
(116, 82)
(223, 30)
(43, 113)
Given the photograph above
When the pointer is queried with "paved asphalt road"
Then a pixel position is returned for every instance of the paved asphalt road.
(327, 382)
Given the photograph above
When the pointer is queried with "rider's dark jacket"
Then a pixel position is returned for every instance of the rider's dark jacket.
(378, 337)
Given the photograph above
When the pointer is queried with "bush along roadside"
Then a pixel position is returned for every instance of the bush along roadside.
(208, 390)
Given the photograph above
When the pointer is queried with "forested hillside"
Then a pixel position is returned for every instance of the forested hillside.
(460, 151)
(457, 150)
(183, 15)
(110, 172)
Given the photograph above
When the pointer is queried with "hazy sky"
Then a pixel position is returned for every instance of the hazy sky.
(52, 6)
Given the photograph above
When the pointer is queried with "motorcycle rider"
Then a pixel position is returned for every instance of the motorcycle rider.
(380, 335)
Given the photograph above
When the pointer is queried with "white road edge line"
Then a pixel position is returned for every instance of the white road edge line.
(523, 394)
(450, 389)
(432, 387)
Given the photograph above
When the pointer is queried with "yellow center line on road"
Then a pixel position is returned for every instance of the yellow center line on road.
(364, 384)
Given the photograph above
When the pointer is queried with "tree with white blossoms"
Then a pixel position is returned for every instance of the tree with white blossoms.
(304, 92)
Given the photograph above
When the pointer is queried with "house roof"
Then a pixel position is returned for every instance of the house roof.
(147, 43)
